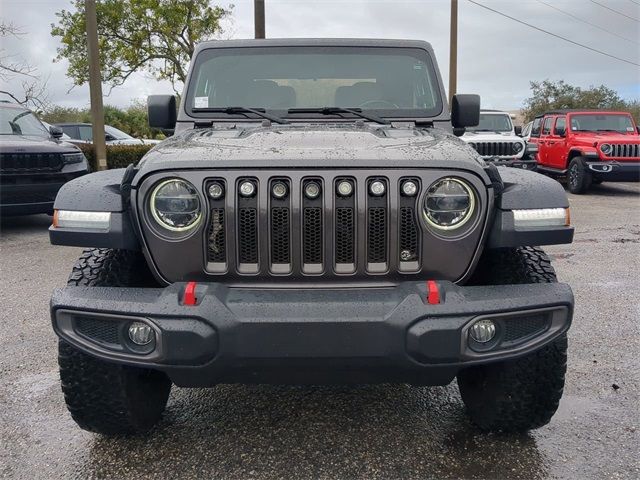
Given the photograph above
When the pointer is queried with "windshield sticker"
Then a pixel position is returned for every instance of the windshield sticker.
(201, 102)
(629, 129)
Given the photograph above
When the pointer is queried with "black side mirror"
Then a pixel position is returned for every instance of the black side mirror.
(465, 111)
(561, 132)
(518, 130)
(55, 132)
(162, 111)
(638, 129)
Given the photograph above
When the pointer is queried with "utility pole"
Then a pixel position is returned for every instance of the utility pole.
(258, 17)
(453, 51)
(95, 85)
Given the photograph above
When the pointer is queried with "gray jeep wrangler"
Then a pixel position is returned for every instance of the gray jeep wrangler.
(312, 220)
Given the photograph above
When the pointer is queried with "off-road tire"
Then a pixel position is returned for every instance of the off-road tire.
(103, 397)
(521, 394)
(578, 177)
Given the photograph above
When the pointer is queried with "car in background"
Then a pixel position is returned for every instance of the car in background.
(34, 162)
(83, 133)
(587, 146)
(495, 139)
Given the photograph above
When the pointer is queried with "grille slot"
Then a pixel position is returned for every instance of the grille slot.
(30, 162)
(345, 235)
(377, 228)
(102, 331)
(312, 235)
(625, 150)
(217, 251)
(495, 149)
(408, 235)
(280, 228)
(248, 235)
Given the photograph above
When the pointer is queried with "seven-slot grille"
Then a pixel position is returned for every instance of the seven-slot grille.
(495, 149)
(297, 227)
(624, 150)
(30, 162)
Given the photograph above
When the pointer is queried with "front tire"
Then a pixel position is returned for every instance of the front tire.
(521, 394)
(578, 177)
(103, 397)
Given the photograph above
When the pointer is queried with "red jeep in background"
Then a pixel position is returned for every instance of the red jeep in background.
(587, 146)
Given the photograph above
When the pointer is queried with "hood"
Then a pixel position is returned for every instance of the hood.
(34, 144)
(311, 146)
(606, 137)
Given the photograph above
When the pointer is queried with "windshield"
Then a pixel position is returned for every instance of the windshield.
(117, 134)
(492, 123)
(597, 123)
(398, 82)
(16, 121)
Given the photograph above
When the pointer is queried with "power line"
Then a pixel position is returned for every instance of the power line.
(615, 11)
(587, 22)
(634, 1)
(554, 34)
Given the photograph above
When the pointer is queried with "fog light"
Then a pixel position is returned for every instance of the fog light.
(409, 188)
(215, 191)
(377, 188)
(279, 190)
(483, 331)
(345, 188)
(141, 333)
(312, 190)
(247, 189)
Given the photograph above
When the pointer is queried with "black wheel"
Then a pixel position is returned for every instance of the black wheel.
(102, 397)
(521, 394)
(578, 177)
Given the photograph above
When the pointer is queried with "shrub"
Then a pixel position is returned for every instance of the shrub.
(118, 156)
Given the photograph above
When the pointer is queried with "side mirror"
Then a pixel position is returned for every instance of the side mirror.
(465, 111)
(108, 137)
(55, 132)
(638, 129)
(561, 132)
(162, 111)
(518, 130)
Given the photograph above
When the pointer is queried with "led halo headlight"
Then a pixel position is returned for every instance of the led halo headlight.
(175, 205)
(517, 147)
(448, 204)
(606, 148)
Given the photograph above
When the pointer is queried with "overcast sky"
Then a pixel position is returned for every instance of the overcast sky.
(497, 57)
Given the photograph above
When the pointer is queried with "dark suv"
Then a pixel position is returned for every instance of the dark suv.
(312, 220)
(34, 163)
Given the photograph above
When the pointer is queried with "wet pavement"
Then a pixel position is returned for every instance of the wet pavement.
(386, 431)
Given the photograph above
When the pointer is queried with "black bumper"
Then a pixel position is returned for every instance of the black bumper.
(613, 171)
(31, 194)
(365, 335)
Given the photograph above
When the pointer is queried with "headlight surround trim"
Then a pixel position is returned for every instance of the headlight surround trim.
(467, 216)
(158, 219)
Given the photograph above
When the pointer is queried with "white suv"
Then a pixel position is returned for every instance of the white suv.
(495, 140)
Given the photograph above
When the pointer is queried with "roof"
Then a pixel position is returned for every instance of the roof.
(493, 111)
(314, 42)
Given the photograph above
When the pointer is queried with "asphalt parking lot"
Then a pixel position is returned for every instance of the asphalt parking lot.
(386, 431)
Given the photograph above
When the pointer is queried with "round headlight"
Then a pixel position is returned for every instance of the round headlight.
(606, 148)
(517, 147)
(448, 204)
(175, 205)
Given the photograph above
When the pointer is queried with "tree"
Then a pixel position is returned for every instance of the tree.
(548, 95)
(32, 90)
(156, 36)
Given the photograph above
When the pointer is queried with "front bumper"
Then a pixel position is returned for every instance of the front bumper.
(363, 335)
(615, 171)
(29, 194)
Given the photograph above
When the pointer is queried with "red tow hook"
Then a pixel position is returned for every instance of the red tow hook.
(190, 294)
(433, 294)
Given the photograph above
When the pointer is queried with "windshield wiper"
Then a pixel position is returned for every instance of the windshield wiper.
(232, 110)
(337, 110)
